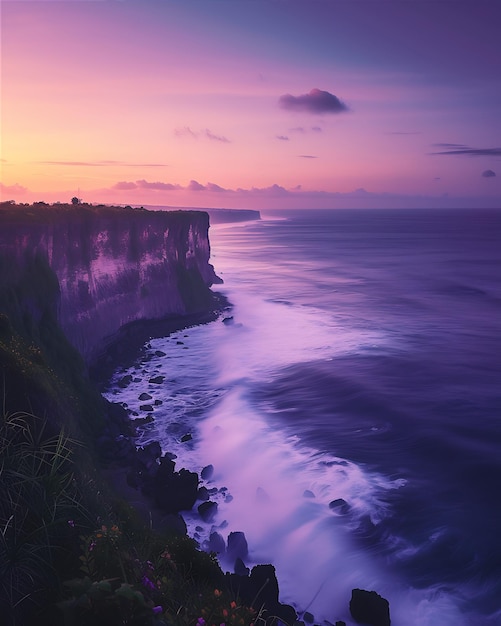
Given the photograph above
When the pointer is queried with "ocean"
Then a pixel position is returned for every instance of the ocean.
(351, 407)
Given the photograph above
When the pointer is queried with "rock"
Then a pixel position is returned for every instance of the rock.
(174, 491)
(240, 568)
(228, 320)
(207, 511)
(187, 437)
(216, 543)
(339, 623)
(158, 402)
(146, 407)
(159, 353)
(145, 396)
(157, 380)
(228, 498)
(308, 494)
(203, 494)
(368, 607)
(125, 381)
(180, 343)
(308, 617)
(206, 473)
(339, 506)
(136, 380)
(237, 546)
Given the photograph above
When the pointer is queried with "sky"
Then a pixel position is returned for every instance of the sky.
(252, 103)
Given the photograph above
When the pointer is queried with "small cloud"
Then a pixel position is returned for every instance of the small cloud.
(282, 137)
(488, 174)
(214, 187)
(316, 101)
(403, 133)
(214, 137)
(123, 185)
(317, 129)
(297, 129)
(437, 178)
(464, 150)
(185, 131)
(307, 156)
(100, 163)
(143, 184)
(195, 186)
(17, 189)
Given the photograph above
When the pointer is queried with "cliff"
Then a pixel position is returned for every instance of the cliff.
(113, 266)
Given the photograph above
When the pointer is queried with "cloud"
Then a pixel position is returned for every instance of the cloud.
(317, 129)
(463, 150)
(195, 186)
(144, 184)
(101, 163)
(186, 131)
(282, 137)
(307, 156)
(297, 129)
(216, 188)
(214, 137)
(488, 174)
(17, 189)
(123, 185)
(404, 133)
(316, 101)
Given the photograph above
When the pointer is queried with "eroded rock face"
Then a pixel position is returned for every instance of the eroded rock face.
(115, 265)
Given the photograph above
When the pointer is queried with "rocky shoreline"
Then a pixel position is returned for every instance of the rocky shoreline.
(148, 480)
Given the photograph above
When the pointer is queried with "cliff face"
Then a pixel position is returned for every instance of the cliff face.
(114, 266)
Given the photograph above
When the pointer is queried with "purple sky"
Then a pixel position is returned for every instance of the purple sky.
(252, 103)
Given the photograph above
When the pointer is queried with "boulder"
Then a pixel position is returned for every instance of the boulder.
(240, 568)
(146, 407)
(145, 396)
(174, 491)
(157, 380)
(368, 607)
(207, 511)
(206, 473)
(216, 543)
(237, 546)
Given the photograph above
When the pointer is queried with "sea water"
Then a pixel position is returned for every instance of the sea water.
(361, 364)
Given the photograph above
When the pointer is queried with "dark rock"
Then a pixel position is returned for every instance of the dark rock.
(203, 494)
(308, 494)
(136, 380)
(145, 396)
(212, 491)
(146, 407)
(173, 523)
(125, 381)
(157, 380)
(240, 568)
(339, 506)
(368, 607)
(206, 473)
(159, 353)
(339, 623)
(216, 543)
(308, 617)
(158, 402)
(237, 546)
(207, 511)
(228, 498)
(187, 437)
(174, 491)
(228, 320)
(140, 421)
(180, 343)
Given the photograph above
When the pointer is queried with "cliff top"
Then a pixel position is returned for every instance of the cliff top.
(43, 212)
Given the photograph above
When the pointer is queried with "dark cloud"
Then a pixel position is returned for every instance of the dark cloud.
(195, 186)
(307, 156)
(488, 174)
(317, 101)
(463, 150)
(282, 137)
